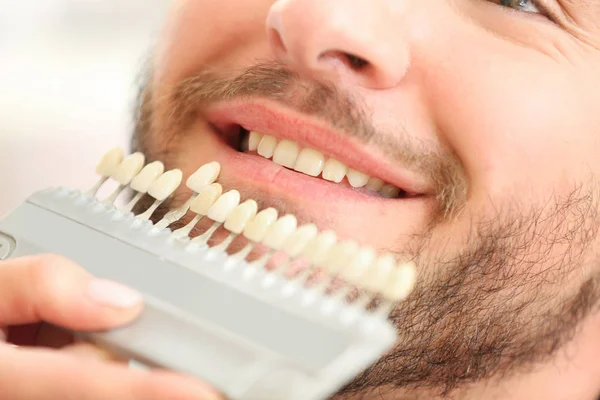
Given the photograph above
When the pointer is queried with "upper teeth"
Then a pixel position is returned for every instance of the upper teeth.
(312, 162)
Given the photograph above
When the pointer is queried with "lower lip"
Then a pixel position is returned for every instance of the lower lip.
(274, 178)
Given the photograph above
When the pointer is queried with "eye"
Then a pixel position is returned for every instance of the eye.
(520, 5)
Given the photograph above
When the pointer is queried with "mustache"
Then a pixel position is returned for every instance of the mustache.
(275, 82)
(337, 108)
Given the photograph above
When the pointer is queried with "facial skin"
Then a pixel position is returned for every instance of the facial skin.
(487, 110)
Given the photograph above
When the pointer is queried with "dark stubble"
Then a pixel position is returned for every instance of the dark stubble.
(508, 298)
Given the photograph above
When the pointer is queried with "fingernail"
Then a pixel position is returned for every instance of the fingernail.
(113, 294)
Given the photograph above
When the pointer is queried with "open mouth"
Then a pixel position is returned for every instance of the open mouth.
(307, 161)
(312, 152)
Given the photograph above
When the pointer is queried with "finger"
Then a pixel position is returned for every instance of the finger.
(42, 374)
(53, 289)
(92, 352)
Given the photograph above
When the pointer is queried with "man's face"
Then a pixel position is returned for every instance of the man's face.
(481, 115)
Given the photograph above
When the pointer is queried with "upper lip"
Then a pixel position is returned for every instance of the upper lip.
(270, 119)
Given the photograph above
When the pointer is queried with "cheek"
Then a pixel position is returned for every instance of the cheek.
(519, 121)
(220, 34)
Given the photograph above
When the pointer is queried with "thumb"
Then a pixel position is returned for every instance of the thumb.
(54, 289)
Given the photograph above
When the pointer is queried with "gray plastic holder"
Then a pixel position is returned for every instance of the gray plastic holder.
(250, 333)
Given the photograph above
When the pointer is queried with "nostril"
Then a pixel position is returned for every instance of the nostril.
(353, 62)
(276, 41)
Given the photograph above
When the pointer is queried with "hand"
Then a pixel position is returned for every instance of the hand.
(47, 364)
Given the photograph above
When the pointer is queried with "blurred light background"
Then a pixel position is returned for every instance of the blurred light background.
(68, 71)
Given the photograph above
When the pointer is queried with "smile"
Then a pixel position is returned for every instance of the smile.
(311, 152)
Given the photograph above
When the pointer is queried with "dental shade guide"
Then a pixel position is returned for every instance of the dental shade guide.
(142, 182)
(242, 325)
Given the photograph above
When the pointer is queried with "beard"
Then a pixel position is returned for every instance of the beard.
(509, 296)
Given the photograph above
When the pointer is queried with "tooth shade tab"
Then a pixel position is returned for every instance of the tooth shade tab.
(280, 231)
(310, 162)
(340, 256)
(254, 140)
(379, 274)
(286, 153)
(206, 198)
(334, 171)
(267, 145)
(166, 184)
(317, 249)
(359, 265)
(258, 226)
(129, 168)
(237, 220)
(224, 206)
(149, 174)
(204, 176)
(299, 239)
(401, 282)
(109, 162)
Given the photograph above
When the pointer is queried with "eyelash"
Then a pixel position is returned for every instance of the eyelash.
(521, 3)
(540, 9)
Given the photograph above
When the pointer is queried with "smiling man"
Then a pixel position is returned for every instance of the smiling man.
(463, 134)
(480, 119)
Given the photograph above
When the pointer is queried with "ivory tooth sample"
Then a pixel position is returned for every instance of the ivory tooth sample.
(279, 231)
(402, 282)
(219, 212)
(110, 161)
(224, 206)
(204, 176)
(317, 249)
(299, 239)
(378, 274)
(128, 169)
(165, 185)
(106, 167)
(237, 221)
(239, 218)
(340, 256)
(358, 266)
(276, 235)
(161, 189)
(141, 183)
(207, 196)
(257, 228)
(149, 174)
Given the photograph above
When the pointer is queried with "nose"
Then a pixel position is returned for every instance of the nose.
(355, 41)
